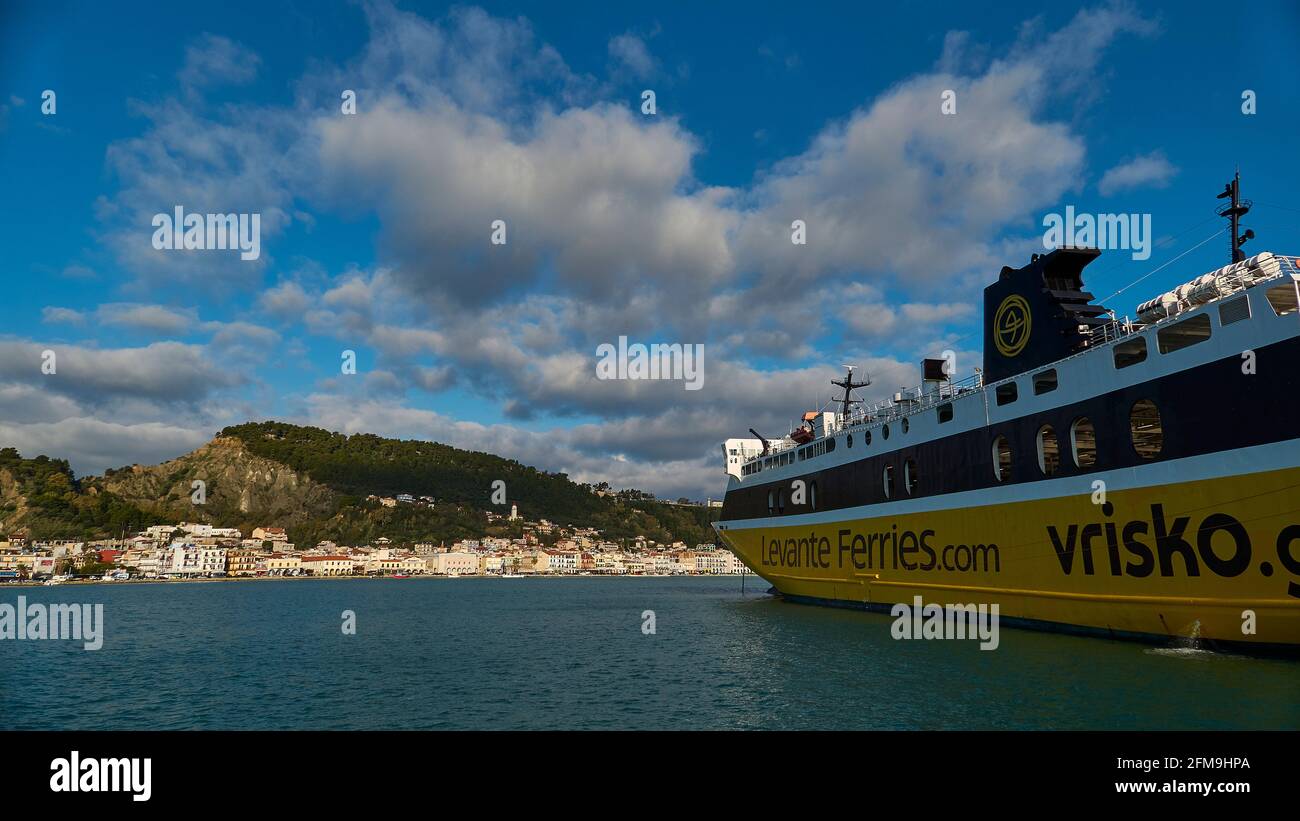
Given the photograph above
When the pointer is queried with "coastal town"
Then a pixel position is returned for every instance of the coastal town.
(190, 550)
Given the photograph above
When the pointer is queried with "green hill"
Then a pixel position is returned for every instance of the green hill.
(364, 464)
(316, 483)
(42, 497)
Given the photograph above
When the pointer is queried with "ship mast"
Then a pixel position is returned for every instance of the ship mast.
(847, 401)
(1234, 209)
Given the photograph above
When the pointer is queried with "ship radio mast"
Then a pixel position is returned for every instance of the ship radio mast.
(1234, 209)
(847, 401)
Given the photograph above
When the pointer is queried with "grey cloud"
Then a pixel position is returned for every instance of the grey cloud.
(93, 445)
(163, 371)
(287, 301)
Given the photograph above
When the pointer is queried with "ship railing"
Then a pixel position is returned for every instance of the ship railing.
(1117, 328)
(1236, 280)
(912, 401)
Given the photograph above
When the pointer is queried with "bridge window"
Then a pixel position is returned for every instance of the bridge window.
(1001, 459)
(1083, 442)
(1234, 310)
(909, 476)
(1145, 429)
(1184, 334)
(888, 481)
(944, 412)
(1131, 352)
(1049, 450)
(1282, 298)
(1007, 393)
(1045, 382)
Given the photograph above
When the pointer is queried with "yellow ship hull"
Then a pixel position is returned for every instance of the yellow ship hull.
(1216, 559)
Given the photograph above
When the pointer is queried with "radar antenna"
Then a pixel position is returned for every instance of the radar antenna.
(847, 401)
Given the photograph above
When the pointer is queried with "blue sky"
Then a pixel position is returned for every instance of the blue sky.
(664, 228)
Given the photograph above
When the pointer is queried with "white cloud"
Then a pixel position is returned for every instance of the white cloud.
(158, 320)
(54, 315)
(214, 60)
(632, 54)
(1151, 169)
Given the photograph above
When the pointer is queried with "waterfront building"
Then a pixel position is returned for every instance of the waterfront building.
(280, 564)
(212, 560)
(453, 564)
(327, 565)
(241, 562)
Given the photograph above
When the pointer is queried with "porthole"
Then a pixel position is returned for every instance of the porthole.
(909, 476)
(906, 424)
(884, 431)
(1001, 459)
(812, 496)
(1045, 382)
(887, 480)
(1083, 442)
(848, 440)
(1130, 352)
(1049, 451)
(1183, 334)
(771, 501)
(780, 502)
(1283, 298)
(866, 438)
(1145, 429)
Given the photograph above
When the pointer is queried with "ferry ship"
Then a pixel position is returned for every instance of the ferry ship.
(1133, 478)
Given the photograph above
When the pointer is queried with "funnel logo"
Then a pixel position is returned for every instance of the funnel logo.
(1011, 325)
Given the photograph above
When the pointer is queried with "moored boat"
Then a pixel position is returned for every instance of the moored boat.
(1137, 478)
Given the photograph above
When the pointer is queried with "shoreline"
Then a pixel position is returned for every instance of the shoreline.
(88, 582)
